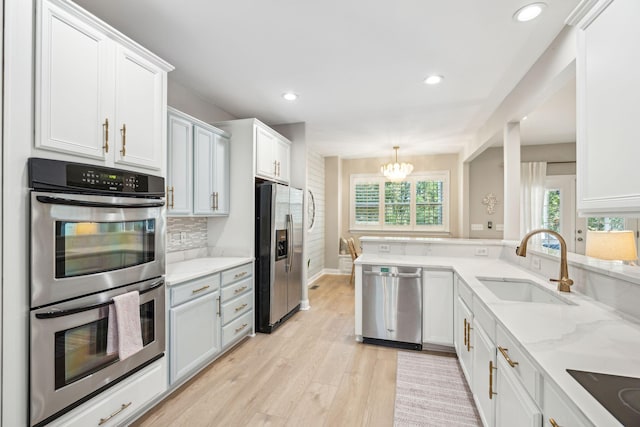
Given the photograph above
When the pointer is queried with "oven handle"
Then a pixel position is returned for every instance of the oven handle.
(60, 201)
(61, 313)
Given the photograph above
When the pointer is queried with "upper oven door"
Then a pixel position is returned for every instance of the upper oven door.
(82, 244)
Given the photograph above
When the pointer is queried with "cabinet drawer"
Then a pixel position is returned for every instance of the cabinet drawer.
(236, 329)
(237, 289)
(235, 274)
(555, 405)
(237, 307)
(120, 402)
(524, 370)
(485, 319)
(465, 292)
(190, 290)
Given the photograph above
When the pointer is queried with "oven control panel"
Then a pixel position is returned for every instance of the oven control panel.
(57, 175)
(101, 180)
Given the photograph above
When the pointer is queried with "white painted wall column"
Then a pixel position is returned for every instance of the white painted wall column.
(512, 181)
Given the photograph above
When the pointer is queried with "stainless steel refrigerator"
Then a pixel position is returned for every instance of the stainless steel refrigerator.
(279, 230)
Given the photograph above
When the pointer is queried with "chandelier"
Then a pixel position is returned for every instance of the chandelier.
(396, 171)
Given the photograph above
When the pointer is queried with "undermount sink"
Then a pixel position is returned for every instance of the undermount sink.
(521, 290)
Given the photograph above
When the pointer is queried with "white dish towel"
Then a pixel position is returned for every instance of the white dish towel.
(124, 333)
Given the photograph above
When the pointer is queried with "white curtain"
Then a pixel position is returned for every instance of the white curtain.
(532, 180)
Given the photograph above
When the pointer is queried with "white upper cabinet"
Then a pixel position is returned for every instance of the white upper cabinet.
(272, 155)
(608, 138)
(140, 108)
(98, 94)
(74, 82)
(198, 179)
(179, 173)
(211, 173)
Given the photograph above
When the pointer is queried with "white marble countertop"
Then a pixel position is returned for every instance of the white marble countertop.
(439, 240)
(587, 336)
(183, 271)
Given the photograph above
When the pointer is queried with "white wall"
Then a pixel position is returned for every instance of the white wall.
(315, 236)
(190, 101)
(486, 175)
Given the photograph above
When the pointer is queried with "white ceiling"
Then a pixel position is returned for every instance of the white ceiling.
(358, 65)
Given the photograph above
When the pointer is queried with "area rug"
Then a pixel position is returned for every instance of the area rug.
(431, 391)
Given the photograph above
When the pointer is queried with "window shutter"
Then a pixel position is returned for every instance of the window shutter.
(429, 199)
(367, 202)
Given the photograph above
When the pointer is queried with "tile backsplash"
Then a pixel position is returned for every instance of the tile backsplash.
(186, 233)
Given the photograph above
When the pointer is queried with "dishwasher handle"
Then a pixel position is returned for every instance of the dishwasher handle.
(401, 275)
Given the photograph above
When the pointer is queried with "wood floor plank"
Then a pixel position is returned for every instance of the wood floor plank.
(309, 371)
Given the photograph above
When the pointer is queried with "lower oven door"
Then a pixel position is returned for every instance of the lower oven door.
(83, 244)
(69, 359)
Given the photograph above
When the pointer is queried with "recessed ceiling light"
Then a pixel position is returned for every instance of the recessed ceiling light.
(529, 12)
(525, 118)
(290, 96)
(433, 80)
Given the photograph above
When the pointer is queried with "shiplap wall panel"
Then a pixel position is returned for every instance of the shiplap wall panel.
(315, 236)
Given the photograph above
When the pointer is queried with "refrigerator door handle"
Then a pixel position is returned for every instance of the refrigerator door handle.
(289, 242)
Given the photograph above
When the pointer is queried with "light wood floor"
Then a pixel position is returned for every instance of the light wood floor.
(309, 372)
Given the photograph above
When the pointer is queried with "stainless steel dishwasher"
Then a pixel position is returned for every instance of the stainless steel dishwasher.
(392, 306)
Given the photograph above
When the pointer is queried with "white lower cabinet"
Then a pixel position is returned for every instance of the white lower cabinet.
(484, 373)
(556, 408)
(505, 384)
(514, 407)
(237, 304)
(194, 322)
(463, 320)
(437, 308)
(117, 404)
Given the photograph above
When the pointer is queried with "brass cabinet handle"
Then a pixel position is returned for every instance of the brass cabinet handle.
(123, 132)
(469, 328)
(217, 199)
(195, 291)
(278, 168)
(122, 408)
(465, 331)
(219, 306)
(240, 307)
(491, 368)
(506, 356)
(275, 168)
(239, 275)
(244, 325)
(213, 201)
(105, 126)
(173, 199)
(553, 422)
(237, 291)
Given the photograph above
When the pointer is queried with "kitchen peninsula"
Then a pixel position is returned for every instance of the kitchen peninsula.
(578, 333)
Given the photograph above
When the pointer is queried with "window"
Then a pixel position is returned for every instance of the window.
(605, 224)
(419, 203)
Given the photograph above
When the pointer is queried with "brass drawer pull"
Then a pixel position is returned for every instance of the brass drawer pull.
(195, 291)
(553, 422)
(105, 125)
(122, 408)
(244, 325)
(123, 131)
(237, 291)
(465, 332)
(239, 275)
(469, 328)
(491, 368)
(240, 307)
(506, 356)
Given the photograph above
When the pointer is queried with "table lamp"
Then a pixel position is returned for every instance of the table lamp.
(612, 245)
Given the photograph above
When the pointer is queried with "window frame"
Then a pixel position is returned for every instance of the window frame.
(443, 176)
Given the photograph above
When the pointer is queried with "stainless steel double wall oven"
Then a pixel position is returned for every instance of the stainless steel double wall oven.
(95, 233)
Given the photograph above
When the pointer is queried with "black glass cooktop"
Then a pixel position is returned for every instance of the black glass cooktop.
(619, 395)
